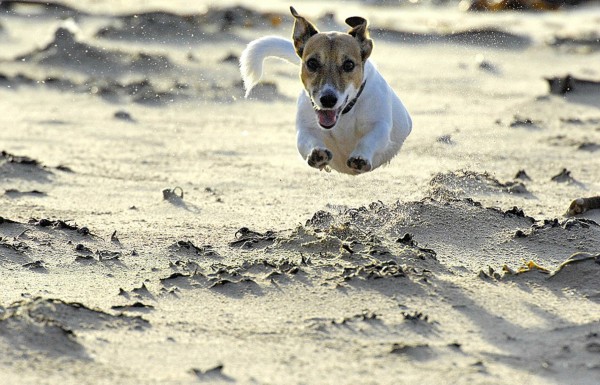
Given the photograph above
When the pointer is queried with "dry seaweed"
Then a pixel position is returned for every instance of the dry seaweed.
(576, 258)
(568, 83)
(172, 195)
(135, 305)
(581, 205)
(525, 268)
(247, 238)
(521, 174)
(57, 224)
(11, 158)
(564, 176)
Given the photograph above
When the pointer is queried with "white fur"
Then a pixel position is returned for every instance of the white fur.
(251, 61)
(372, 132)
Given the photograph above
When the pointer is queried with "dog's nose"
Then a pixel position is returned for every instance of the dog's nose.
(328, 100)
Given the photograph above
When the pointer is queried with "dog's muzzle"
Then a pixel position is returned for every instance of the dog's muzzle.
(328, 116)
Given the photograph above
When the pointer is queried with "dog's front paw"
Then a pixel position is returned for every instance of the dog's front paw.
(319, 158)
(359, 164)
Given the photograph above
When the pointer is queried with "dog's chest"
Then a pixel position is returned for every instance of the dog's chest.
(343, 138)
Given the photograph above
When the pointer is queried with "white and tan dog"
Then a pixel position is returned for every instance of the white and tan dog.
(349, 118)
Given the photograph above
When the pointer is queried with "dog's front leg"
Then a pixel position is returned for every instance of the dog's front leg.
(309, 136)
(362, 159)
(312, 149)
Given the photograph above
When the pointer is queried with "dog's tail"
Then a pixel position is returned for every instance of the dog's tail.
(251, 61)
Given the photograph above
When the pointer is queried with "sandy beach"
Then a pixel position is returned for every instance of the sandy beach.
(158, 228)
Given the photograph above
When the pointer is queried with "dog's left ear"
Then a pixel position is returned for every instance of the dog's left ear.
(361, 34)
(303, 30)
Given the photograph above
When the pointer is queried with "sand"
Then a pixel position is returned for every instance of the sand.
(448, 266)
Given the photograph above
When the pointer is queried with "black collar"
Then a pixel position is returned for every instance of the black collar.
(353, 101)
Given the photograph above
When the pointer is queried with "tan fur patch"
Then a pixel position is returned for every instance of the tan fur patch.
(331, 50)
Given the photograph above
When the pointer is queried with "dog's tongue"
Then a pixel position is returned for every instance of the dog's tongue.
(326, 117)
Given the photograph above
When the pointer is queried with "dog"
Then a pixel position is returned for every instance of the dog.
(348, 119)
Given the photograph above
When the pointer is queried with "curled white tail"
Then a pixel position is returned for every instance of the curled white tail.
(251, 61)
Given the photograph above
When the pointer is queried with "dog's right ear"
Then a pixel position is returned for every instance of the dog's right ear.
(303, 30)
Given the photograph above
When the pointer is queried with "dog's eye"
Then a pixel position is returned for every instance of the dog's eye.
(312, 64)
(348, 66)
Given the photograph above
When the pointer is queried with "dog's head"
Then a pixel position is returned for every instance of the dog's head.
(332, 65)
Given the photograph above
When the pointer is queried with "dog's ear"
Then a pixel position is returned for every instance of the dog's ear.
(303, 30)
(361, 34)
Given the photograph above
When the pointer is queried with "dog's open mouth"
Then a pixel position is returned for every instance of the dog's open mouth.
(327, 118)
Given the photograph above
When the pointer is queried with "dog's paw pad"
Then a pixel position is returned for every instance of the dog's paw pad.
(319, 158)
(359, 164)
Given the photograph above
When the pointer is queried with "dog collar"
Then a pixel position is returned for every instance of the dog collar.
(353, 101)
